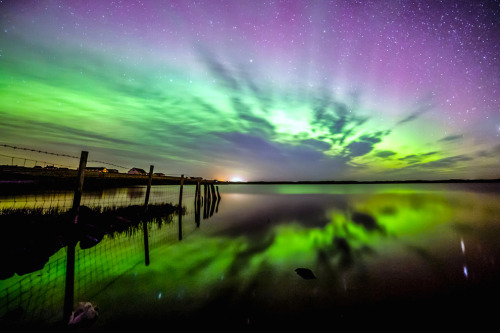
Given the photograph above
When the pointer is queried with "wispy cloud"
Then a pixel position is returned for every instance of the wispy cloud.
(452, 138)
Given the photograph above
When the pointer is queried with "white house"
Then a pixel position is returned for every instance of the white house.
(136, 171)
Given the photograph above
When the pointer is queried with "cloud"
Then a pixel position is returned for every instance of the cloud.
(43, 130)
(221, 72)
(316, 144)
(365, 144)
(410, 158)
(451, 138)
(447, 162)
(384, 153)
(416, 158)
(276, 159)
(423, 106)
(411, 117)
(251, 122)
(493, 152)
(359, 148)
(335, 117)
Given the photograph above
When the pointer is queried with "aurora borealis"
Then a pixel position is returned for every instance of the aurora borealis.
(261, 90)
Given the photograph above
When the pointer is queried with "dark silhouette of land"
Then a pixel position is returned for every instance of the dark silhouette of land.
(14, 179)
(19, 179)
(372, 182)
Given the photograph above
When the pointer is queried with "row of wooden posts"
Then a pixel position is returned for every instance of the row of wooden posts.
(210, 201)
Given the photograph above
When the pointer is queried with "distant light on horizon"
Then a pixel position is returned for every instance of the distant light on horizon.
(237, 179)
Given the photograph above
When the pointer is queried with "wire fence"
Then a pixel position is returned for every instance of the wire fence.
(39, 294)
(106, 197)
(38, 297)
(28, 161)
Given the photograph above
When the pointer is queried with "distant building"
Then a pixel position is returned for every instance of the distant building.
(137, 171)
(96, 169)
(160, 174)
(112, 171)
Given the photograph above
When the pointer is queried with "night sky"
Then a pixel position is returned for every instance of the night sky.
(256, 90)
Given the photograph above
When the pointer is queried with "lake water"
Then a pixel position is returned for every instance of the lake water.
(382, 255)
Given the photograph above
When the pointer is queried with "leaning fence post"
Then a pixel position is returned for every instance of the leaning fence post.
(70, 255)
(144, 221)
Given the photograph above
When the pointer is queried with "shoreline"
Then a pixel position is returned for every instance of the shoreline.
(341, 182)
(15, 179)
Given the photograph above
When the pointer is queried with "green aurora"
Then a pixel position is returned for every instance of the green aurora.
(71, 83)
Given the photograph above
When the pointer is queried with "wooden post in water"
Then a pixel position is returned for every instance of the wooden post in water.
(218, 194)
(205, 199)
(205, 191)
(197, 204)
(218, 199)
(180, 207)
(70, 255)
(144, 221)
(198, 186)
(213, 199)
(196, 192)
(214, 195)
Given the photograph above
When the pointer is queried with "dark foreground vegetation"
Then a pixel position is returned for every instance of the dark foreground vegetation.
(30, 236)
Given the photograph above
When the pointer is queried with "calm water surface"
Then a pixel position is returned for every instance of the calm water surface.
(411, 254)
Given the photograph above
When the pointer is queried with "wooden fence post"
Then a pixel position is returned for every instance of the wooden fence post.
(148, 190)
(70, 255)
(205, 191)
(79, 189)
(197, 204)
(205, 199)
(180, 207)
(144, 221)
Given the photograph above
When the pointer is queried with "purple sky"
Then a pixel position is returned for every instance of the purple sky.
(274, 89)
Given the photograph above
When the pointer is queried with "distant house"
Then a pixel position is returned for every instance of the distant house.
(112, 170)
(96, 169)
(137, 171)
(159, 174)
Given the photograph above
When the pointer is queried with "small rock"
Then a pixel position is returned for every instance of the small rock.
(305, 273)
